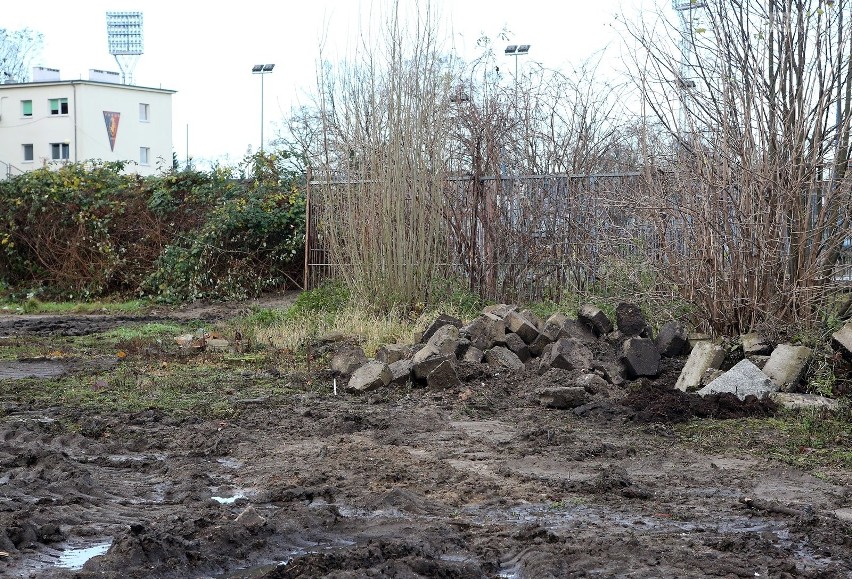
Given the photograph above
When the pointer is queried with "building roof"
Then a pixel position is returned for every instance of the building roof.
(89, 82)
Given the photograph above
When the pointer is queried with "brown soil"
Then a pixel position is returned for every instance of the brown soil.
(477, 481)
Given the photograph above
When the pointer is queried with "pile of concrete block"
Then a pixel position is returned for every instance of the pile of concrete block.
(516, 340)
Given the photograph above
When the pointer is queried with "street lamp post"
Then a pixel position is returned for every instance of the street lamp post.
(516, 51)
(261, 69)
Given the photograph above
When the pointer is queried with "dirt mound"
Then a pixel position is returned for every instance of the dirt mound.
(655, 402)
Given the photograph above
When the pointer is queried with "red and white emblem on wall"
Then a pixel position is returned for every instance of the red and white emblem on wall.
(111, 120)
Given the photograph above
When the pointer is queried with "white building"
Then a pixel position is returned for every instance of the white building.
(53, 121)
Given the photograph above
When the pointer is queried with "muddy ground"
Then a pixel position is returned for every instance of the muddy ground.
(478, 481)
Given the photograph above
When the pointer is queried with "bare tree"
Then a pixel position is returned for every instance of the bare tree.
(755, 206)
(17, 49)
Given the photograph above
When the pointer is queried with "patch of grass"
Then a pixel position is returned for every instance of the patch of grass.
(202, 388)
(813, 440)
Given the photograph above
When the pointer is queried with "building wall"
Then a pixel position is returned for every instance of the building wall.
(83, 129)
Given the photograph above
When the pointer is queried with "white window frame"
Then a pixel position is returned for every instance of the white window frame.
(144, 113)
(145, 156)
(28, 147)
(59, 102)
(24, 108)
(62, 149)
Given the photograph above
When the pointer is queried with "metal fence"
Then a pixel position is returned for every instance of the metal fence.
(520, 238)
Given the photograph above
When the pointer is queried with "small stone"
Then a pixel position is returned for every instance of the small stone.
(250, 518)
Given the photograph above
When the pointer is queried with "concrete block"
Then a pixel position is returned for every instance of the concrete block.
(390, 353)
(704, 355)
(440, 322)
(569, 354)
(504, 358)
(630, 320)
(796, 401)
(372, 375)
(640, 357)
(518, 346)
(595, 319)
(426, 360)
(347, 360)
(672, 339)
(401, 372)
(553, 326)
(786, 365)
(519, 325)
(443, 376)
(444, 340)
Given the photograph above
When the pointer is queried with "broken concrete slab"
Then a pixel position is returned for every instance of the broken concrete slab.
(841, 340)
(744, 379)
(532, 318)
(563, 397)
(640, 357)
(786, 365)
(370, 376)
(797, 401)
(755, 344)
(704, 355)
(592, 383)
(595, 319)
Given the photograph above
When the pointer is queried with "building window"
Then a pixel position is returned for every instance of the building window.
(60, 151)
(27, 108)
(144, 112)
(144, 155)
(59, 106)
(28, 152)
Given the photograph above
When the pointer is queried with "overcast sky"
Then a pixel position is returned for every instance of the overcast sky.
(205, 51)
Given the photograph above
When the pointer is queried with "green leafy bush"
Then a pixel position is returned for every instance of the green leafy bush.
(87, 230)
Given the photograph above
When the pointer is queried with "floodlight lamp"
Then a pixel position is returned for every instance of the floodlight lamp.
(523, 49)
(511, 49)
(268, 67)
(257, 68)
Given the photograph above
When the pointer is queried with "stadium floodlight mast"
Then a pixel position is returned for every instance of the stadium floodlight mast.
(124, 37)
(517, 50)
(261, 69)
